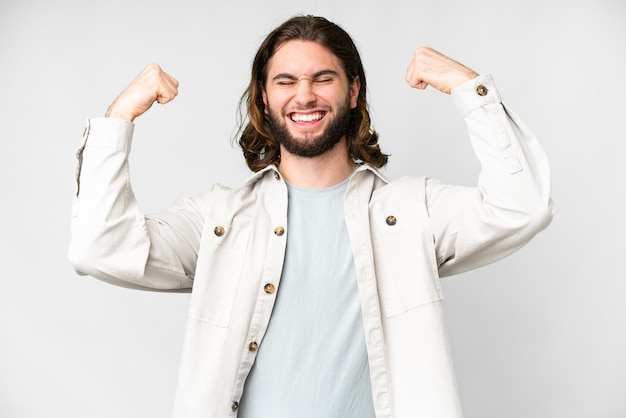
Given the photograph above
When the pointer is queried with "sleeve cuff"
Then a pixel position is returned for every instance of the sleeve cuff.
(108, 133)
(476, 93)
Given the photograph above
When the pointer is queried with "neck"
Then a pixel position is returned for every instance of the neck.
(326, 170)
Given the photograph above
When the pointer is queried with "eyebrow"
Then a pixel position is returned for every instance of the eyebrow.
(314, 76)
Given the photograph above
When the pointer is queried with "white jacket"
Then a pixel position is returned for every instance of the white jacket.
(230, 246)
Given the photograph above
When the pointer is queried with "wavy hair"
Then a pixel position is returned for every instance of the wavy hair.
(260, 149)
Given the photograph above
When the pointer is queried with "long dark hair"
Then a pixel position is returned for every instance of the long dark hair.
(256, 140)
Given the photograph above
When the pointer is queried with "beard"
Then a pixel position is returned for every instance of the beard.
(309, 145)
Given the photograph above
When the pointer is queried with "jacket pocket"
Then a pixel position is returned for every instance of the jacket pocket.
(403, 246)
(220, 262)
(405, 272)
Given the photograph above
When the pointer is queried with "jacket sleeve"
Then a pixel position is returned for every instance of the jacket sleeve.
(474, 226)
(112, 240)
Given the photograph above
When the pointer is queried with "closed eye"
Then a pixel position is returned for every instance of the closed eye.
(325, 76)
(284, 80)
(325, 80)
(285, 83)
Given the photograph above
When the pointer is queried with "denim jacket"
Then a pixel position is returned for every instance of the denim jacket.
(228, 246)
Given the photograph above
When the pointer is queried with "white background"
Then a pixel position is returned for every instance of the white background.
(540, 334)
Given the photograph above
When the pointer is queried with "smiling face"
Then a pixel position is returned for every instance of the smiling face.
(308, 98)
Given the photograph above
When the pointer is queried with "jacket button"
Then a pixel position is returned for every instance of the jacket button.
(481, 90)
(276, 175)
(234, 407)
(391, 220)
(269, 288)
(219, 231)
(279, 231)
(253, 346)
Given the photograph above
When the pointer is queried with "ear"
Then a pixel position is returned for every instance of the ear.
(355, 88)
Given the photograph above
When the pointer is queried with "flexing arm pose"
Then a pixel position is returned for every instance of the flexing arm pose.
(372, 270)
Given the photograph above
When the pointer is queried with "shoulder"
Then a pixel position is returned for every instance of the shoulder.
(403, 189)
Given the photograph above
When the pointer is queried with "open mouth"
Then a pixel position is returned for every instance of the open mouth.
(307, 117)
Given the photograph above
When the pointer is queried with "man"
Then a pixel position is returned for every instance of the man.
(316, 284)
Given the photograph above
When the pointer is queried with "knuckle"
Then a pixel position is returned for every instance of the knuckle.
(153, 69)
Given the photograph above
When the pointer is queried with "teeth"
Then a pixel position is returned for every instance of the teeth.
(299, 117)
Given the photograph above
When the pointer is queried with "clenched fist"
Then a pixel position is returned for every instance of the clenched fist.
(430, 67)
(153, 84)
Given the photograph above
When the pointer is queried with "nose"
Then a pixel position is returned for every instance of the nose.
(304, 93)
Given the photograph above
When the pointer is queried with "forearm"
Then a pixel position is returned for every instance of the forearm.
(110, 235)
(515, 174)
(511, 202)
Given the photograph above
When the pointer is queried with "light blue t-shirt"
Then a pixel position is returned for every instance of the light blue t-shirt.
(312, 361)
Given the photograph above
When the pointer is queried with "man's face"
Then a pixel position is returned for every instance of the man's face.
(308, 98)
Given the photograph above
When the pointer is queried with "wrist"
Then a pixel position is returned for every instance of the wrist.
(463, 78)
(114, 112)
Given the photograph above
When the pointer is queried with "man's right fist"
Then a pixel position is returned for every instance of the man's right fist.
(153, 84)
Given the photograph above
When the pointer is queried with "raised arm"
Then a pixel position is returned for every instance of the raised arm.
(111, 238)
(511, 203)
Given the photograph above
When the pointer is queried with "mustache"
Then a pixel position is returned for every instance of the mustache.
(307, 107)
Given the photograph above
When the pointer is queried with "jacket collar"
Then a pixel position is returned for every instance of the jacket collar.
(362, 168)
(259, 174)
